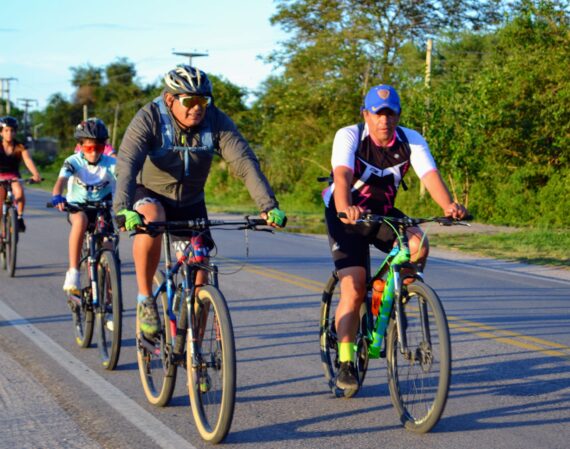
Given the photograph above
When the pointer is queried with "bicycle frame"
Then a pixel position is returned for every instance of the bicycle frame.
(8, 201)
(97, 235)
(398, 258)
(188, 294)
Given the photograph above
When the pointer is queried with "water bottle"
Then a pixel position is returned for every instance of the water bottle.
(176, 299)
(382, 322)
(377, 291)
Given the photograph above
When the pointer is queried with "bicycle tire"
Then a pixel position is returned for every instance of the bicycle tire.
(328, 339)
(109, 313)
(83, 314)
(212, 381)
(12, 247)
(157, 372)
(419, 384)
(4, 247)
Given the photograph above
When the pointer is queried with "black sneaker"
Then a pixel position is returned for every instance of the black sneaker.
(21, 225)
(148, 318)
(346, 377)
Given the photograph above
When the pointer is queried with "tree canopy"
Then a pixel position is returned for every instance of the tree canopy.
(496, 113)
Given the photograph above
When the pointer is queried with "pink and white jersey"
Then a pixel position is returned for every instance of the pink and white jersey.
(378, 171)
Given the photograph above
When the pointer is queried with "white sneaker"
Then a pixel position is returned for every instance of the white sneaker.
(71, 284)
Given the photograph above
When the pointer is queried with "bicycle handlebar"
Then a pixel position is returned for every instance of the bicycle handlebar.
(409, 221)
(202, 224)
(24, 180)
(77, 207)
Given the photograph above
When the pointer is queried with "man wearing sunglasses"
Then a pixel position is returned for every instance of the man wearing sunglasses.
(89, 176)
(156, 181)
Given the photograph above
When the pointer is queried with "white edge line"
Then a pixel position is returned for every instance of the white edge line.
(161, 434)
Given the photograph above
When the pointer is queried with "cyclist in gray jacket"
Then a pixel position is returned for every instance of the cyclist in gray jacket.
(158, 180)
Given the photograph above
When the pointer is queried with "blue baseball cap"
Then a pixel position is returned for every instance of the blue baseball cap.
(380, 97)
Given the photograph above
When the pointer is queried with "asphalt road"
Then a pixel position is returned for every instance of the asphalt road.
(511, 355)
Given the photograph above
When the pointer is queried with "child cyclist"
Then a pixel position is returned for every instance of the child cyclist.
(89, 177)
(12, 154)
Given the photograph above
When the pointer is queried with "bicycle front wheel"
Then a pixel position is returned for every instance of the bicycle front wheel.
(156, 367)
(4, 244)
(110, 309)
(212, 368)
(82, 312)
(12, 241)
(419, 375)
(329, 343)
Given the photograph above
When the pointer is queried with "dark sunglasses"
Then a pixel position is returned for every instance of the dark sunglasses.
(93, 147)
(193, 100)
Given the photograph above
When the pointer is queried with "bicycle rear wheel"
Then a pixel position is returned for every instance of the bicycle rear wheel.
(212, 371)
(3, 244)
(157, 372)
(419, 378)
(82, 306)
(110, 310)
(12, 241)
(328, 339)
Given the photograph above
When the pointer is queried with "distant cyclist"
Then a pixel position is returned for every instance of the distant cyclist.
(12, 154)
(368, 162)
(155, 182)
(88, 176)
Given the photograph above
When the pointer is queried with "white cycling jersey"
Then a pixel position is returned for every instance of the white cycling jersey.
(378, 171)
(88, 182)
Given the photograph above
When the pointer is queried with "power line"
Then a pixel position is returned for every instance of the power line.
(27, 103)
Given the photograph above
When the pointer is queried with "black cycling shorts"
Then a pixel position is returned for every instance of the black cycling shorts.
(349, 244)
(92, 215)
(172, 213)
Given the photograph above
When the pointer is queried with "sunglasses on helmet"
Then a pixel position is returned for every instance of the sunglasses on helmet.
(93, 147)
(193, 100)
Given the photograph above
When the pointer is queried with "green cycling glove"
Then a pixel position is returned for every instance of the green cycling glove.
(277, 216)
(128, 219)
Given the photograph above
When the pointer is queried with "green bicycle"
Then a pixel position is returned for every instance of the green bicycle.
(410, 331)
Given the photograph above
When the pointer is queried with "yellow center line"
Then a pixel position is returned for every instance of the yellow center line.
(516, 339)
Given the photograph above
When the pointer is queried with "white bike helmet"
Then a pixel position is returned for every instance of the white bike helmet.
(185, 79)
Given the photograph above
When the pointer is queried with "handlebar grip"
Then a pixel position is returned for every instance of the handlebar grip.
(341, 215)
(257, 221)
(49, 205)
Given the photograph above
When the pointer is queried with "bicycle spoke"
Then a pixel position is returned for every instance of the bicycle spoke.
(419, 374)
(211, 369)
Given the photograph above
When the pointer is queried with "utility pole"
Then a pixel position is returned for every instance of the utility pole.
(115, 124)
(27, 102)
(189, 55)
(427, 84)
(7, 90)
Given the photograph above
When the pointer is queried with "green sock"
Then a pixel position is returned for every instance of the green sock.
(346, 352)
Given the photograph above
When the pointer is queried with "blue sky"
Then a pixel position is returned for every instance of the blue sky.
(42, 39)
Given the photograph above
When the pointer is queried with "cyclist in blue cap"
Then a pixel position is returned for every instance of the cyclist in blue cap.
(369, 161)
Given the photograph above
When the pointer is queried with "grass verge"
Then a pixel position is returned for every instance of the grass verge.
(532, 246)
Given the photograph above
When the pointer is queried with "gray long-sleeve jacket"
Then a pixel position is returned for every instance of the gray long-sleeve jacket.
(140, 162)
